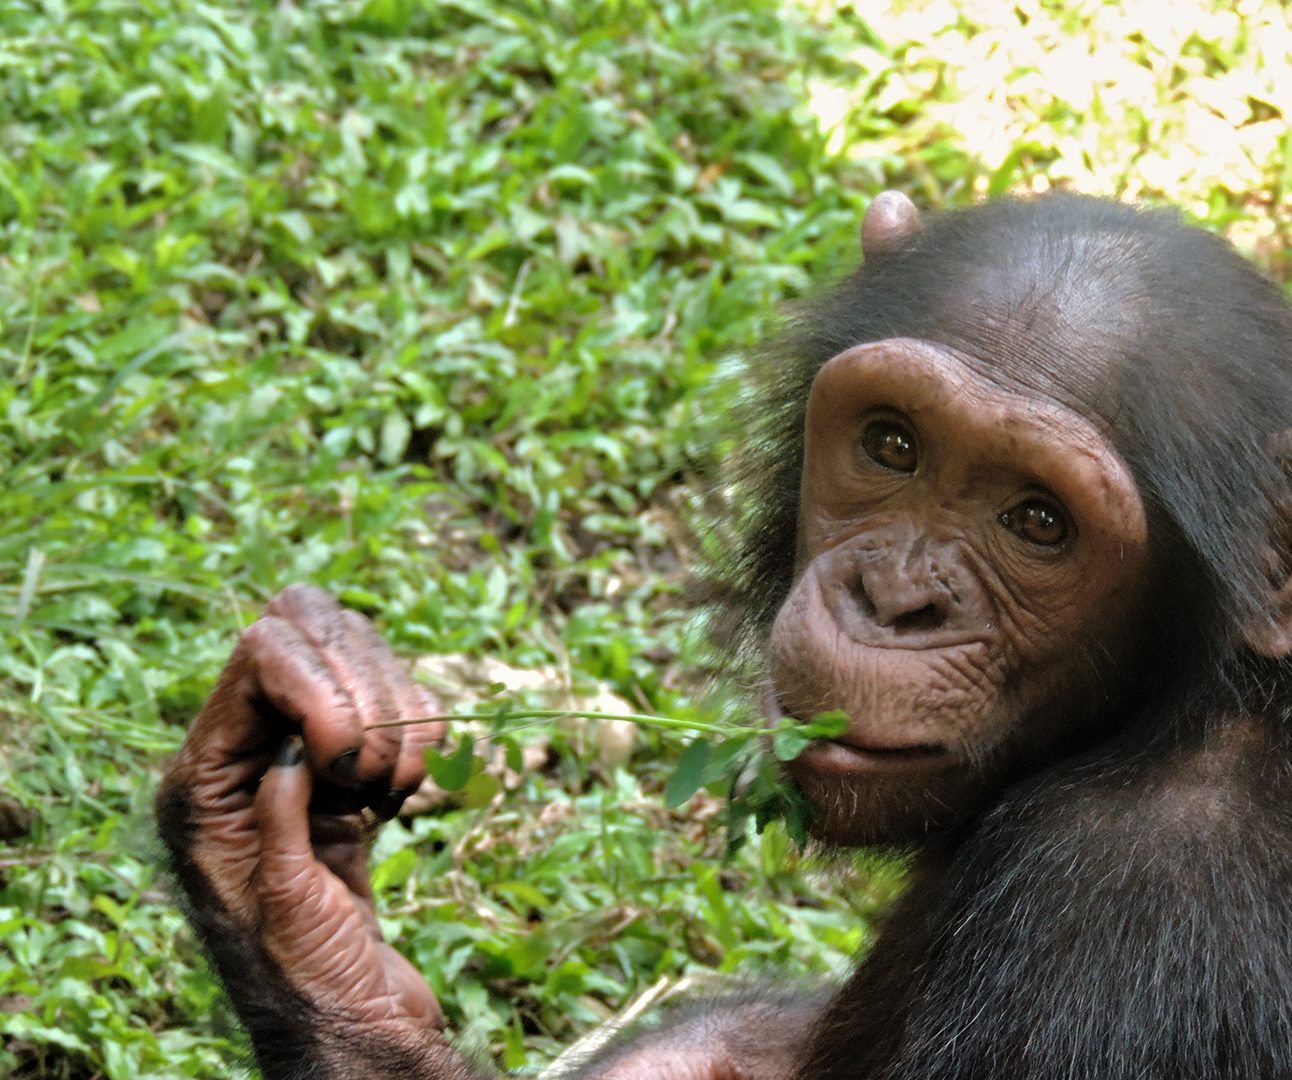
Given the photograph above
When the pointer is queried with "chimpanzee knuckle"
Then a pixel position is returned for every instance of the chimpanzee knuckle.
(264, 632)
(378, 754)
(419, 702)
(363, 632)
(304, 603)
(384, 683)
(418, 737)
(410, 769)
(416, 741)
(416, 702)
(300, 694)
(332, 693)
(286, 665)
(316, 616)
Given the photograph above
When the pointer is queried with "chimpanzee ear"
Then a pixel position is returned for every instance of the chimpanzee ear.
(891, 221)
(1271, 634)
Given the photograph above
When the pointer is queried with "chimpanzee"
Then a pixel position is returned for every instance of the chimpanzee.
(1021, 510)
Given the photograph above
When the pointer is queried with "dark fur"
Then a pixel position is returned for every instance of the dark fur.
(1126, 913)
(1200, 381)
(1123, 916)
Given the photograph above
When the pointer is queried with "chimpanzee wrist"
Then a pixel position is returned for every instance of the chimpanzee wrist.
(324, 1047)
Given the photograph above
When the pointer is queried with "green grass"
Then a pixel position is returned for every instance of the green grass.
(437, 305)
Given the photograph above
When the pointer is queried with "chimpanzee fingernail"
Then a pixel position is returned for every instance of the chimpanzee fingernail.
(290, 754)
(345, 769)
(389, 806)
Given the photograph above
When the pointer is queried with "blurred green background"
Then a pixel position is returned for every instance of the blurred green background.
(440, 304)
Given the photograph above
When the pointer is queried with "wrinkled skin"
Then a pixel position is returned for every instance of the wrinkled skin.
(947, 636)
(974, 586)
(931, 605)
(289, 878)
(261, 809)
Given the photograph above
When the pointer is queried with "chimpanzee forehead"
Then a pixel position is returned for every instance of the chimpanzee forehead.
(1043, 299)
(918, 376)
(1060, 329)
(976, 432)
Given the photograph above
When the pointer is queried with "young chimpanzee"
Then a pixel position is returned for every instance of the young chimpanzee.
(1023, 514)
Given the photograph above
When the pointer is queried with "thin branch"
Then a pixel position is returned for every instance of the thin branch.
(646, 719)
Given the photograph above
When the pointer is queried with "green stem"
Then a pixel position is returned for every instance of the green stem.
(726, 730)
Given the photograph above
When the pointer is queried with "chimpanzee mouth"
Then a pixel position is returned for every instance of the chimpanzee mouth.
(844, 758)
(851, 755)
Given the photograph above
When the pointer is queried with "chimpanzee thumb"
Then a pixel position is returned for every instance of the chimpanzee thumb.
(282, 818)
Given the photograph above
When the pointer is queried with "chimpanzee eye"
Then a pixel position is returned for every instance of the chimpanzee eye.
(1038, 521)
(892, 444)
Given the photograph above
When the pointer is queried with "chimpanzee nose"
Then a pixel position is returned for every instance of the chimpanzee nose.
(890, 597)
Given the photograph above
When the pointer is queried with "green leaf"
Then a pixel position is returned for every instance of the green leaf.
(792, 738)
(788, 743)
(515, 755)
(525, 894)
(451, 773)
(395, 870)
(826, 725)
(479, 790)
(730, 755)
(689, 773)
(393, 442)
(513, 1051)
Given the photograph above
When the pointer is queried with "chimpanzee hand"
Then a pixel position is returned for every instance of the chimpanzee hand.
(261, 812)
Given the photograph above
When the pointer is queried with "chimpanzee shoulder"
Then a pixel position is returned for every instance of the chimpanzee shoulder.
(1123, 915)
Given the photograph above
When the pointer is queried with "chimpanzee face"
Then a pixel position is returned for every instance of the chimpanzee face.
(972, 572)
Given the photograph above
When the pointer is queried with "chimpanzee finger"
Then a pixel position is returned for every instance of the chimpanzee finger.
(411, 701)
(361, 663)
(339, 843)
(294, 678)
(297, 887)
(418, 701)
(284, 872)
(384, 673)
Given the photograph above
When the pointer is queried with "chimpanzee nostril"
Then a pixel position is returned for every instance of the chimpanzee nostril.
(863, 601)
(897, 603)
(929, 617)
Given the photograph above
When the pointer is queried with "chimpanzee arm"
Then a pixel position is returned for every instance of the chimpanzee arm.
(272, 860)
(748, 1035)
(260, 813)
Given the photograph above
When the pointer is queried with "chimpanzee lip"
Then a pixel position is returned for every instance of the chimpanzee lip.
(845, 757)
(849, 755)
(906, 750)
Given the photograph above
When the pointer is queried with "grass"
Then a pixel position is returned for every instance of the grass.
(440, 305)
